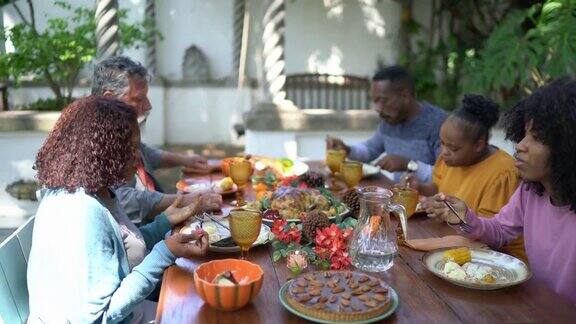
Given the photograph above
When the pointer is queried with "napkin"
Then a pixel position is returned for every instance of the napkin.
(434, 243)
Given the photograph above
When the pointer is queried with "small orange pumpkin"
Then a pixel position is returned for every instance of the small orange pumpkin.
(228, 298)
(263, 193)
(260, 186)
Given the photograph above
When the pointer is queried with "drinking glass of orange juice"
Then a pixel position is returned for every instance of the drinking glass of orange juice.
(351, 172)
(245, 226)
(407, 197)
(334, 160)
(240, 172)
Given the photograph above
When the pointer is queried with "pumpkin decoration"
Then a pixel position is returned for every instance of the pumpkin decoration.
(263, 194)
(249, 277)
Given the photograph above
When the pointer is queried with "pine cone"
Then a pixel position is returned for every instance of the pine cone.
(315, 219)
(313, 179)
(350, 198)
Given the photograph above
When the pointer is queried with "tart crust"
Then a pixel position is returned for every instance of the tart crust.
(339, 296)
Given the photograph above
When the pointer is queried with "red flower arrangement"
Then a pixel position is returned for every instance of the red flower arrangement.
(293, 181)
(332, 244)
(286, 233)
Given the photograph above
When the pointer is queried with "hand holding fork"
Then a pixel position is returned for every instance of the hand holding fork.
(452, 210)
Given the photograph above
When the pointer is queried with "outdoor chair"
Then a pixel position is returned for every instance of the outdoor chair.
(14, 253)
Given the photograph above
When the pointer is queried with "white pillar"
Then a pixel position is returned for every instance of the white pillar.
(150, 59)
(273, 50)
(239, 16)
(107, 28)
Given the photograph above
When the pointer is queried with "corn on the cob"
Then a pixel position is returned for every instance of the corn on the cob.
(459, 255)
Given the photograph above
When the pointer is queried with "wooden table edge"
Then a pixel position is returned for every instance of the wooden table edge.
(162, 297)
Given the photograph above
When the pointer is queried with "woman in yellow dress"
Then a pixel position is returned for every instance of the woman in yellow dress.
(471, 169)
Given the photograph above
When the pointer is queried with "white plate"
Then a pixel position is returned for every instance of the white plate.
(194, 187)
(217, 189)
(297, 220)
(298, 169)
(511, 271)
(369, 170)
(263, 238)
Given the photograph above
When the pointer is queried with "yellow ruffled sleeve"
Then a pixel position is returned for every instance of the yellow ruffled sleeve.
(438, 170)
(498, 192)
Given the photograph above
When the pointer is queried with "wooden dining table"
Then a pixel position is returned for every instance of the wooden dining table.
(424, 298)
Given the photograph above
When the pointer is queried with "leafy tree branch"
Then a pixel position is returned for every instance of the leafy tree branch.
(58, 53)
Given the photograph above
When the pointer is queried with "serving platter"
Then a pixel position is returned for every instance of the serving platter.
(297, 220)
(394, 302)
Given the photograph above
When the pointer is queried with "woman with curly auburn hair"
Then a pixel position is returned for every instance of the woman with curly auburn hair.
(89, 262)
(71, 156)
(543, 208)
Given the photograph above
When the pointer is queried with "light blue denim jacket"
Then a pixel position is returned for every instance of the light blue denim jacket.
(78, 269)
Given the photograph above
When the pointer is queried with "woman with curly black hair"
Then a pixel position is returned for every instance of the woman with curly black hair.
(471, 169)
(543, 208)
(88, 262)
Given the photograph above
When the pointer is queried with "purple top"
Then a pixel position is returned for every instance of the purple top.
(549, 236)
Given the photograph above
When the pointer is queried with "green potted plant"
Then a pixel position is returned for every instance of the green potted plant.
(57, 54)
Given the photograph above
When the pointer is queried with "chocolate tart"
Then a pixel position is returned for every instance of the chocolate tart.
(339, 296)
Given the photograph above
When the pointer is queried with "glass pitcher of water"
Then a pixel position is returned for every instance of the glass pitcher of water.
(373, 244)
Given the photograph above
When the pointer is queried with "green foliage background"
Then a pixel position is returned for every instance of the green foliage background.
(501, 48)
(57, 54)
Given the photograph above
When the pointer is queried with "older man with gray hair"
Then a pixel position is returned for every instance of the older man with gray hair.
(142, 199)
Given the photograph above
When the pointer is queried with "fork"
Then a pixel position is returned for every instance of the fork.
(205, 214)
(463, 225)
(404, 179)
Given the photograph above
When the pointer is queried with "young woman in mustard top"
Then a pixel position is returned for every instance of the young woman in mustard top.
(471, 169)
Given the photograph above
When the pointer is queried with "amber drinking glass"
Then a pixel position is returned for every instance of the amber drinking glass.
(351, 173)
(334, 160)
(407, 197)
(240, 172)
(245, 228)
